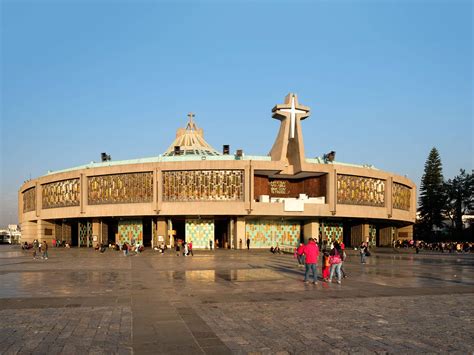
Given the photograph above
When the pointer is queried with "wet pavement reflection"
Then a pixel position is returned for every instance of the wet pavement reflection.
(222, 301)
(83, 272)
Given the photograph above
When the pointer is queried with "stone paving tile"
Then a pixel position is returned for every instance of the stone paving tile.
(80, 301)
(377, 325)
(57, 331)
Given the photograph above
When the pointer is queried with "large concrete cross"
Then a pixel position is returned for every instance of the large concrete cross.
(293, 110)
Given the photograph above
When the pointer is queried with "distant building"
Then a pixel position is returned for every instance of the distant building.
(11, 235)
(194, 192)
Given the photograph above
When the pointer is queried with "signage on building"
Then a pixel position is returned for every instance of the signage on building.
(278, 187)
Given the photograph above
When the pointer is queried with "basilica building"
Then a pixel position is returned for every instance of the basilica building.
(197, 193)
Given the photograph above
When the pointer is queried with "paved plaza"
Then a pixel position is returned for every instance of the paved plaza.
(232, 301)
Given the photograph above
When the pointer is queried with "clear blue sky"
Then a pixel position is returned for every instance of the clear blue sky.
(386, 80)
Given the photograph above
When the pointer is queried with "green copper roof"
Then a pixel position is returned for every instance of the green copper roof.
(178, 158)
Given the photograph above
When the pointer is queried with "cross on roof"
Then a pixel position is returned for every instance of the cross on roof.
(191, 124)
(191, 115)
(293, 110)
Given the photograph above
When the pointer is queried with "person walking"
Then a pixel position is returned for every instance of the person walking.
(343, 258)
(311, 253)
(185, 249)
(177, 248)
(335, 259)
(210, 244)
(300, 255)
(125, 248)
(363, 252)
(45, 250)
(35, 248)
(248, 243)
(190, 247)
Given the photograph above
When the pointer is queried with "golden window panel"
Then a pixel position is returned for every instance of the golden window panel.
(63, 193)
(29, 200)
(359, 190)
(401, 196)
(120, 188)
(203, 185)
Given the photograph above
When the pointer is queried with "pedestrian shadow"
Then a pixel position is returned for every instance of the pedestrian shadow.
(283, 268)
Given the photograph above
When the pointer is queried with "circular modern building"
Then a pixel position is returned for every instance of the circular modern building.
(194, 192)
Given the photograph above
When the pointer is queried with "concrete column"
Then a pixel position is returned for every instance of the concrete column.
(388, 196)
(332, 190)
(385, 236)
(357, 235)
(158, 187)
(83, 196)
(240, 232)
(232, 234)
(96, 232)
(405, 233)
(162, 231)
(170, 238)
(58, 231)
(28, 231)
(45, 231)
(318, 235)
(322, 236)
(311, 230)
(39, 205)
(67, 232)
(413, 201)
(366, 233)
(104, 233)
(248, 181)
(154, 238)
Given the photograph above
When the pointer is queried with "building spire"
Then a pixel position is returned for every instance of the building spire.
(190, 140)
(191, 125)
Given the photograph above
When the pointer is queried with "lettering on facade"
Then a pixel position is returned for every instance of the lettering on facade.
(278, 187)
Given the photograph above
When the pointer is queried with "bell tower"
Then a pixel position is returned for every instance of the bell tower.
(289, 147)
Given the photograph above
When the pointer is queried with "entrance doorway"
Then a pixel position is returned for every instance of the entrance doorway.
(74, 233)
(221, 233)
(147, 231)
(179, 226)
(346, 233)
(112, 229)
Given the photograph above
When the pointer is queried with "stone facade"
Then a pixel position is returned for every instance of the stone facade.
(282, 198)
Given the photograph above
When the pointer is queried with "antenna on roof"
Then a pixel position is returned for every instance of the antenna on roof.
(105, 157)
(329, 156)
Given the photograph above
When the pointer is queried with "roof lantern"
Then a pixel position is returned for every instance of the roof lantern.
(190, 141)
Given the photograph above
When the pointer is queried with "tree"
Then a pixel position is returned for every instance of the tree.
(459, 200)
(432, 197)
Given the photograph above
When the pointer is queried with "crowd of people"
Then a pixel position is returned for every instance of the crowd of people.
(332, 260)
(445, 247)
(442, 247)
(185, 248)
(40, 249)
